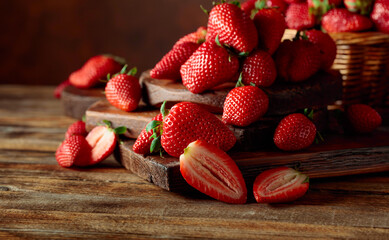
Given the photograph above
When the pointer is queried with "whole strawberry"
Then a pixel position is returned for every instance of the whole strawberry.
(298, 17)
(326, 45)
(297, 60)
(188, 122)
(59, 89)
(341, 20)
(318, 8)
(259, 69)
(363, 118)
(77, 128)
(244, 106)
(123, 90)
(209, 66)
(194, 37)
(363, 7)
(170, 64)
(380, 15)
(294, 132)
(143, 142)
(278, 5)
(94, 70)
(73, 151)
(233, 27)
(271, 26)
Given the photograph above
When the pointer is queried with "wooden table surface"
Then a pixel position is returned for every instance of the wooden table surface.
(39, 199)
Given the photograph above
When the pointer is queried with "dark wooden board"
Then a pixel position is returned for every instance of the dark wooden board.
(254, 137)
(76, 101)
(337, 156)
(320, 90)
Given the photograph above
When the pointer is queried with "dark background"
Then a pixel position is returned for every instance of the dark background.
(43, 41)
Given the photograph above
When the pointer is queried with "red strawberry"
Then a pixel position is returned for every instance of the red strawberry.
(103, 140)
(318, 8)
(195, 37)
(144, 140)
(233, 27)
(209, 66)
(271, 26)
(123, 90)
(297, 60)
(363, 7)
(278, 5)
(298, 17)
(259, 69)
(188, 122)
(326, 45)
(380, 15)
(363, 118)
(95, 69)
(77, 128)
(341, 20)
(294, 132)
(294, 1)
(280, 185)
(212, 172)
(73, 150)
(244, 105)
(58, 90)
(170, 64)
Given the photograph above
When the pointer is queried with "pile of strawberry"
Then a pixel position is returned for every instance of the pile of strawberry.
(331, 15)
(233, 47)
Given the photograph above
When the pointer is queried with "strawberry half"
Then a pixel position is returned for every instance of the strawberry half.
(103, 140)
(73, 151)
(94, 70)
(363, 118)
(142, 144)
(280, 185)
(77, 128)
(212, 172)
(123, 90)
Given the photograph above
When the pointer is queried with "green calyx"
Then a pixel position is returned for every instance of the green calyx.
(118, 131)
(239, 83)
(157, 130)
(309, 113)
(131, 72)
(120, 60)
(306, 180)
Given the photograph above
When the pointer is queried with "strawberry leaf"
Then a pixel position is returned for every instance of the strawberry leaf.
(217, 41)
(164, 112)
(204, 10)
(107, 123)
(306, 180)
(124, 69)
(132, 71)
(153, 124)
(236, 3)
(240, 83)
(260, 4)
(120, 130)
(156, 145)
(84, 118)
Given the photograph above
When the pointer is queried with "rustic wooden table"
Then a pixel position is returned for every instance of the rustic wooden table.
(39, 199)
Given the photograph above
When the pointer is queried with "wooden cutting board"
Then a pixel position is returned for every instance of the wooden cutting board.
(337, 156)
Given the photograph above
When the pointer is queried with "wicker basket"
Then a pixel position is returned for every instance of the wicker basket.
(363, 61)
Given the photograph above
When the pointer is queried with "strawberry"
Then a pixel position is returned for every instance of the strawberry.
(279, 185)
(233, 27)
(95, 69)
(170, 64)
(380, 15)
(212, 172)
(59, 89)
(294, 132)
(103, 140)
(259, 69)
(363, 118)
(244, 105)
(77, 128)
(209, 66)
(271, 26)
(188, 122)
(341, 20)
(326, 45)
(363, 7)
(195, 37)
(123, 90)
(318, 8)
(298, 17)
(278, 5)
(297, 60)
(143, 142)
(294, 1)
(73, 151)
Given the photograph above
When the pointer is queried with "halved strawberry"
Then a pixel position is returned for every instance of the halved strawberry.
(280, 184)
(212, 172)
(103, 140)
(73, 150)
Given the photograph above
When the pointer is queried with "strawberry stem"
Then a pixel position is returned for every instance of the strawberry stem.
(132, 71)
(240, 83)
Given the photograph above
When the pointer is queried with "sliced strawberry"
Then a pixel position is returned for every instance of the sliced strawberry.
(59, 89)
(281, 184)
(212, 172)
(77, 128)
(103, 140)
(73, 150)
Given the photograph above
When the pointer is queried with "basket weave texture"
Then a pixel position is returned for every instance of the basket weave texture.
(363, 61)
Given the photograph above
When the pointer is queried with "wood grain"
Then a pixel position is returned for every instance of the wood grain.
(40, 200)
